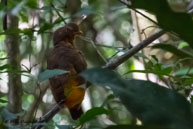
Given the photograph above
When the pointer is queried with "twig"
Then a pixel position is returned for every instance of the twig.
(98, 51)
(48, 115)
(88, 40)
(52, 5)
(116, 62)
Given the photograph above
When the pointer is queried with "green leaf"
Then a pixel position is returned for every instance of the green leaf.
(155, 58)
(182, 45)
(172, 49)
(17, 8)
(3, 101)
(44, 27)
(109, 97)
(45, 8)
(133, 127)
(7, 115)
(2, 126)
(188, 81)
(28, 31)
(6, 66)
(140, 55)
(178, 22)
(32, 4)
(4, 58)
(184, 71)
(163, 71)
(64, 126)
(24, 16)
(151, 103)
(12, 31)
(91, 114)
(50, 73)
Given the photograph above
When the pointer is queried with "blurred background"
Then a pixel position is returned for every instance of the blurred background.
(109, 30)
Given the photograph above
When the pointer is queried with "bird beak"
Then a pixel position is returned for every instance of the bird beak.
(79, 21)
(79, 32)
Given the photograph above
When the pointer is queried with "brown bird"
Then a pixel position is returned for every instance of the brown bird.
(67, 57)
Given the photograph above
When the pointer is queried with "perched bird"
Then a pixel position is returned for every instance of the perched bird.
(67, 57)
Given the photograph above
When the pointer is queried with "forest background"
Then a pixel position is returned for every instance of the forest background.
(139, 54)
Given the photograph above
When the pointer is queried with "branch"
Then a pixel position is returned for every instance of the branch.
(112, 64)
(45, 118)
(52, 5)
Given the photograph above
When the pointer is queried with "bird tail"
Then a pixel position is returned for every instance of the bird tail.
(76, 112)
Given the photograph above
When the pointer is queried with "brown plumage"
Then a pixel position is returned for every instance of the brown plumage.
(67, 57)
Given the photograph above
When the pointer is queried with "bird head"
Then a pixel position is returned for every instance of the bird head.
(66, 34)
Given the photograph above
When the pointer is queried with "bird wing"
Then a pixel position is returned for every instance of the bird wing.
(62, 85)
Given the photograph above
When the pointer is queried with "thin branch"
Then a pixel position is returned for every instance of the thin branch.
(98, 51)
(116, 62)
(48, 115)
(52, 5)
(88, 40)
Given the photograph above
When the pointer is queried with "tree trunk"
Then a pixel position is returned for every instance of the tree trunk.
(12, 46)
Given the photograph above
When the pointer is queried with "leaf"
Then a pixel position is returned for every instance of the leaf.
(45, 8)
(44, 27)
(133, 127)
(188, 81)
(165, 71)
(24, 16)
(4, 58)
(3, 101)
(32, 4)
(17, 8)
(178, 22)
(6, 66)
(109, 97)
(2, 126)
(172, 49)
(184, 71)
(50, 73)
(7, 115)
(64, 126)
(91, 114)
(151, 103)
(28, 31)
(182, 45)
(140, 55)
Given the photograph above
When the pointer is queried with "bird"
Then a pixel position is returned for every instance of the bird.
(67, 87)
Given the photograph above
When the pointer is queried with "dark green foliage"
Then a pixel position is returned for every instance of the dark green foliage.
(91, 114)
(180, 23)
(172, 49)
(134, 127)
(151, 103)
(50, 73)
